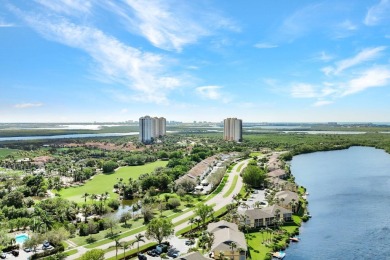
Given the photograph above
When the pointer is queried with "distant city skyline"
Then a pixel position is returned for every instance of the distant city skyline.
(265, 61)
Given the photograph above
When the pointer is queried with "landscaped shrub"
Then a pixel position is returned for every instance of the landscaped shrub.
(173, 203)
(114, 204)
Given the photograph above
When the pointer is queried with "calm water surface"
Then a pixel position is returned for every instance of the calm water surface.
(350, 204)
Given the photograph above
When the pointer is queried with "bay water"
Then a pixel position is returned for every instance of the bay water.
(349, 202)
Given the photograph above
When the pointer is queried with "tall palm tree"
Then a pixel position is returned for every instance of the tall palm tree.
(117, 245)
(85, 196)
(233, 246)
(138, 238)
(125, 246)
(191, 221)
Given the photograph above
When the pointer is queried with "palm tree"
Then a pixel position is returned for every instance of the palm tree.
(191, 221)
(221, 255)
(93, 197)
(138, 238)
(233, 246)
(117, 244)
(85, 196)
(257, 204)
(125, 246)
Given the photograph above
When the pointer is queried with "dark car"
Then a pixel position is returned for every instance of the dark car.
(46, 244)
(190, 242)
(173, 253)
(15, 252)
(152, 252)
(142, 257)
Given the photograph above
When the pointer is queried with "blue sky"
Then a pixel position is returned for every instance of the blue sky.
(262, 61)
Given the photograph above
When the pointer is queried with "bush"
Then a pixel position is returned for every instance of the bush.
(109, 166)
(173, 203)
(114, 204)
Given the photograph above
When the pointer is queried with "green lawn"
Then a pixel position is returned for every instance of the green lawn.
(105, 182)
(253, 154)
(5, 151)
(240, 166)
(257, 250)
(232, 186)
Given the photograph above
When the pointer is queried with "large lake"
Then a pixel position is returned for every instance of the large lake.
(350, 204)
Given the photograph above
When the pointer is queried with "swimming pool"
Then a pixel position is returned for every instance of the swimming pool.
(21, 238)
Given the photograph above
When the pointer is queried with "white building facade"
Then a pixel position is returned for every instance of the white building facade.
(151, 128)
(232, 129)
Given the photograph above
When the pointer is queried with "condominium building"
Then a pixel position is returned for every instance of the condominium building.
(151, 128)
(232, 129)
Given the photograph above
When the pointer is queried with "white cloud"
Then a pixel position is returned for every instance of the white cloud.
(124, 111)
(348, 25)
(374, 77)
(320, 103)
(363, 56)
(28, 105)
(303, 90)
(323, 56)
(213, 93)
(264, 45)
(209, 92)
(5, 24)
(377, 13)
(144, 72)
(170, 25)
(69, 7)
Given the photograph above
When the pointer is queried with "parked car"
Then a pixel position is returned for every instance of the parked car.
(15, 252)
(152, 252)
(161, 249)
(27, 250)
(173, 253)
(46, 244)
(3, 255)
(190, 242)
(142, 257)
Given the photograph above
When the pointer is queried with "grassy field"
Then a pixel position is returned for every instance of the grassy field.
(105, 182)
(256, 248)
(5, 151)
(232, 186)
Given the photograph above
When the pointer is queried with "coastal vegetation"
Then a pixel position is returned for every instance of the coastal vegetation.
(77, 186)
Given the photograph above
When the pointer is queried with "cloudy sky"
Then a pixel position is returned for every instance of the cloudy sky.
(262, 61)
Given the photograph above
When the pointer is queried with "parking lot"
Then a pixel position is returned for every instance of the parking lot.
(23, 254)
(176, 243)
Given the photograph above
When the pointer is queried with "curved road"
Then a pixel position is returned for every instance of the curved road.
(218, 200)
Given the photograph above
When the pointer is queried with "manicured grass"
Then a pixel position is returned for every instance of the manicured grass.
(5, 151)
(221, 185)
(232, 186)
(105, 182)
(256, 248)
(253, 154)
(240, 166)
(217, 214)
(71, 252)
(133, 251)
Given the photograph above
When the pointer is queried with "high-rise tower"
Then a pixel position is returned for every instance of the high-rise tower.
(232, 129)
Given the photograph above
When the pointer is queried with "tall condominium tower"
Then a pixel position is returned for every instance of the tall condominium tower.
(151, 128)
(232, 129)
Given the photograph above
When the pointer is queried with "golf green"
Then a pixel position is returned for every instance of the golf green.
(105, 182)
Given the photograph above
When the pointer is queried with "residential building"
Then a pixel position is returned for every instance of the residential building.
(287, 199)
(266, 216)
(228, 240)
(232, 129)
(151, 128)
(278, 173)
